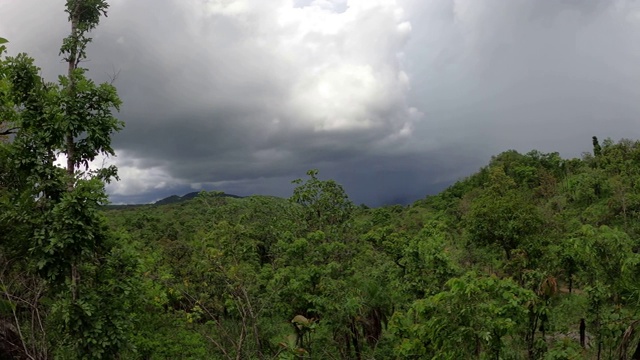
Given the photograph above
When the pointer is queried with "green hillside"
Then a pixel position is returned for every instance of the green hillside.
(503, 264)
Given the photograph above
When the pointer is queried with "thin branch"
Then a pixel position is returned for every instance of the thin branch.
(113, 76)
(224, 352)
(8, 131)
(15, 317)
(223, 331)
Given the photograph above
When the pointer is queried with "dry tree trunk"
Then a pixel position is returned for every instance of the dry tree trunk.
(583, 335)
(629, 339)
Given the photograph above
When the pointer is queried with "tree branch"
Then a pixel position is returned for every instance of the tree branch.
(8, 131)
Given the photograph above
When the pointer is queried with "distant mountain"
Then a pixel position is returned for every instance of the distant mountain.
(176, 199)
(173, 199)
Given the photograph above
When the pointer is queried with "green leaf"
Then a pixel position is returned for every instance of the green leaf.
(3, 41)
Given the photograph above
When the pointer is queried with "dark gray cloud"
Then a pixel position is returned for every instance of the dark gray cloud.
(527, 74)
(393, 98)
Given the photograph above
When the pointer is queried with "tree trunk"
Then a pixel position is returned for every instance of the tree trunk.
(583, 331)
(570, 283)
(347, 341)
(533, 325)
(75, 279)
(354, 338)
(72, 62)
(254, 323)
(636, 354)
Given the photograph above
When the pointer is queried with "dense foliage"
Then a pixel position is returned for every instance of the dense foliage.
(532, 257)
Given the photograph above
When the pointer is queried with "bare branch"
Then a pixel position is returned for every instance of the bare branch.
(17, 322)
(9, 131)
(113, 76)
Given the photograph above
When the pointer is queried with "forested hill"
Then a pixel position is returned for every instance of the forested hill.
(507, 263)
(173, 199)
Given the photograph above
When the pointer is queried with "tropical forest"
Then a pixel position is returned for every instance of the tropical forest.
(534, 256)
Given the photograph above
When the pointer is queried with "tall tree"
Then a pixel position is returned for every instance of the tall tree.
(86, 108)
(58, 209)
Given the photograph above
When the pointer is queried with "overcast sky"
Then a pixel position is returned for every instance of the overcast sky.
(394, 99)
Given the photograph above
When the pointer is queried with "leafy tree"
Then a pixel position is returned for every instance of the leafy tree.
(599, 255)
(502, 215)
(426, 264)
(472, 316)
(597, 150)
(325, 204)
(64, 234)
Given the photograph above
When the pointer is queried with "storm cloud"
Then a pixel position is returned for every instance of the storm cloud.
(394, 99)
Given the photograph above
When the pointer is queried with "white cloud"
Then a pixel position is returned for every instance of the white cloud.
(136, 178)
(344, 63)
(227, 7)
